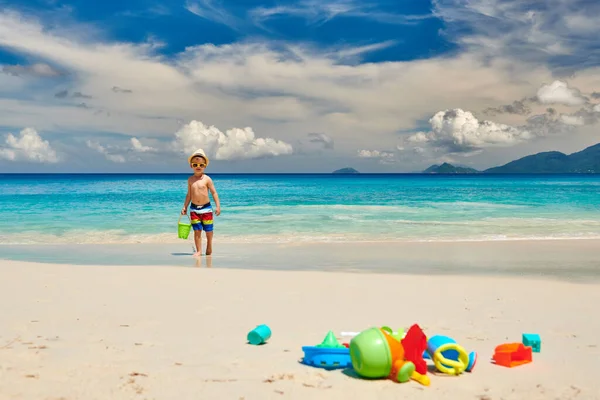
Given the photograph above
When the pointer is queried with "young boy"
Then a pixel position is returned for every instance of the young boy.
(201, 212)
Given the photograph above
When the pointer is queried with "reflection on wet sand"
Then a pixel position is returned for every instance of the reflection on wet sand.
(199, 262)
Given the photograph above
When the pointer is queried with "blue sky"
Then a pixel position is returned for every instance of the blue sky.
(304, 86)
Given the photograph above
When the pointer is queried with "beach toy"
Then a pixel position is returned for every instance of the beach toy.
(533, 340)
(376, 354)
(259, 335)
(183, 228)
(512, 354)
(330, 354)
(415, 344)
(396, 335)
(330, 342)
(449, 357)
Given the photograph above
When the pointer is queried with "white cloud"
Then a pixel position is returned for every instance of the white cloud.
(234, 144)
(94, 145)
(559, 92)
(212, 10)
(384, 157)
(582, 22)
(38, 69)
(459, 131)
(319, 12)
(572, 120)
(281, 90)
(28, 146)
(139, 147)
(525, 30)
(323, 138)
(240, 84)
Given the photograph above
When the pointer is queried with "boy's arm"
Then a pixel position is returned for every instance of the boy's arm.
(215, 195)
(187, 198)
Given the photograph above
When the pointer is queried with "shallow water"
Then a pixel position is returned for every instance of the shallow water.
(292, 208)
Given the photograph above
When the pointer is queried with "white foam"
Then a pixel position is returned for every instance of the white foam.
(119, 237)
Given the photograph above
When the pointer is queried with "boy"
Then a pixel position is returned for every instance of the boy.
(201, 213)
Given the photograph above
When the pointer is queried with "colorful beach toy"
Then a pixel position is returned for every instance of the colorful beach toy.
(376, 354)
(329, 354)
(512, 355)
(533, 340)
(449, 357)
(259, 335)
(183, 228)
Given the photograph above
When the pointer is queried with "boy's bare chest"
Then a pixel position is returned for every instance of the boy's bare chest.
(199, 184)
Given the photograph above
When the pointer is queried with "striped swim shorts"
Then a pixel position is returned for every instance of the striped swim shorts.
(202, 217)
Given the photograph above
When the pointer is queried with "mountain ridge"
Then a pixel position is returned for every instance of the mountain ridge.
(586, 161)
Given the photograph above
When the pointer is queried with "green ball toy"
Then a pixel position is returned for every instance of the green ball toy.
(370, 354)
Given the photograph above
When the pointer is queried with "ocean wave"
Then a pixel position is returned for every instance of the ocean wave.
(120, 237)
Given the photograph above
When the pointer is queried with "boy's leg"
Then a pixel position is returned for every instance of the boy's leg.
(207, 225)
(198, 242)
(209, 236)
(197, 226)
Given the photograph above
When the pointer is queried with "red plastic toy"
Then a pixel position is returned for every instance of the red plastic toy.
(415, 344)
(512, 354)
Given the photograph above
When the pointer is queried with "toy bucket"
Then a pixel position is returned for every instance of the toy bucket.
(183, 228)
(259, 335)
(435, 342)
(448, 356)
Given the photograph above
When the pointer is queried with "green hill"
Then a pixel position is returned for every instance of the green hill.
(346, 170)
(586, 161)
(446, 168)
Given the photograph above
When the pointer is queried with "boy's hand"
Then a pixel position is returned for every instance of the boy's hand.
(184, 210)
(218, 210)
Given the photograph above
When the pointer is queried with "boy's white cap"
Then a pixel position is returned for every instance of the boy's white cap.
(198, 152)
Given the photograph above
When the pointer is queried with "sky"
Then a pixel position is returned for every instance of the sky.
(294, 86)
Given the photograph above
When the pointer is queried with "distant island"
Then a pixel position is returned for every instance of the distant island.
(346, 170)
(586, 161)
(446, 168)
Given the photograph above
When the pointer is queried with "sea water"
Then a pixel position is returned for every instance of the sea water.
(284, 208)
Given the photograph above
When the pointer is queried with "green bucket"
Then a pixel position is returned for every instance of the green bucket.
(183, 228)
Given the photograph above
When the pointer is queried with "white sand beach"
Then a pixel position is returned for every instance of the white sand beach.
(162, 332)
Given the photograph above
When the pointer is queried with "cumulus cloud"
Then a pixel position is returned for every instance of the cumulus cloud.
(384, 157)
(137, 146)
(241, 83)
(286, 89)
(518, 107)
(234, 144)
(105, 151)
(459, 131)
(323, 138)
(38, 70)
(559, 92)
(28, 146)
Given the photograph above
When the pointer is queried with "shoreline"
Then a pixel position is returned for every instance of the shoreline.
(230, 240)
(154, 332)
(575, 260)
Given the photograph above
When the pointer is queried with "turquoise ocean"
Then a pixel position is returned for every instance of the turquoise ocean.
(282, 208)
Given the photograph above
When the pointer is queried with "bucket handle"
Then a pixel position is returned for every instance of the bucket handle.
(181, 215)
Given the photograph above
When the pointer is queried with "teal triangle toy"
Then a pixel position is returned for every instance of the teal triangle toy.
(330, 342)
